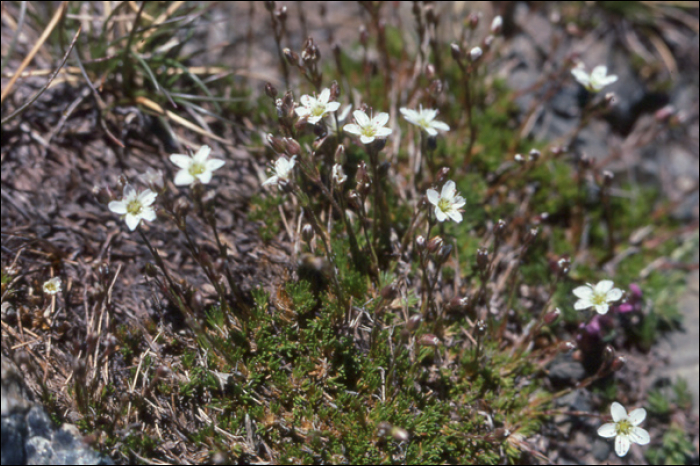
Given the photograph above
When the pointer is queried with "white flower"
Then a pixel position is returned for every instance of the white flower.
(135, 207)
(624, 428)
(316, 108)
(153, 179)
(196, 167)
(338, 174)
(599, 296)
(283, 171)
(52, 286)
(595, 81)
(367, 129)
(425, 119)
(447, 203)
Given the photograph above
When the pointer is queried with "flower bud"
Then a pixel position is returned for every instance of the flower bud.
(482, 259)
(292, 57)
(399, 434)
(500, 229)
(335, 91)
(458, 304)
(534, 155)
(497, 25)
(430, 340)
(103, 195)
(618, 363)
(420, 243)
(473, 20)
(390, 292)
(430, 71)
(487, 42)
(519, 158)
(354, 200)
(150, 270)
(307, 233)
(552, 317)
(434, 244)
(481, 328)
(610, 99)
(282, 14)
(456, 51)
(310, 54)
(567, 346)
(435, 87)
(292, 146)
(270, 90)
(444, 254)
(414, 322)
(664, 114)
(475, 53)
(442, 175)
(364, 35)
(383, 429)
(608, 178)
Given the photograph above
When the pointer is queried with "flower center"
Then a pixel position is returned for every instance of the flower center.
(134, 207)
(444, 205)
(598, 299)
(369, 131)
(196, 169)
(623, 427)
(318, 109)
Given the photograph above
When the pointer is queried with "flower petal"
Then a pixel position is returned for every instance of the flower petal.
(147, 197)
(637, 416)
(270, 180)
(602, 308)
(613, 295)
(306, 100)
(366, 139)
(622, 445)
(132, 221)
(440, 215)
(205, 177)
(183, 178)
(352, 128)
(449, 190)
(325, 95)
(607, 430)
(202, 154)
(455, 215)
(118, 207)
(618, 412)
(181, 160)
(433, 196)
(361, 117)
(583, 292)
(148, 214)
(439, 125)
(639, 436)
(380, 119)
(332, 106)
(582, 304)
(431, 131)
(214, 164)
(302, 111)
(382, 132)
(604, 286)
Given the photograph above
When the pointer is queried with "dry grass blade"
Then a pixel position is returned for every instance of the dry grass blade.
(54, 21)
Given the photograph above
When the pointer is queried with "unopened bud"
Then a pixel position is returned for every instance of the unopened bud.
(482, 259)
(458, 304)
(282, 14)
(414, 322)
(430, 71)
(475, 53)
(567, 346)
(481, 328)
(456, 51)
(435, 87)
(500, 229)
(150, 270)
(420, 243)
(497, 25)
(103, 195)
(552, 317)
(487, 42)
(383, 429)
(390, 292)
(473, 20)
(364, 35)
(277, 144)
(610, 99)
(608, 178)
(434, 244)
(444, 254)
(400, 435)
(310, 54)
(564, 265)
(442, 175)
(270, 90)
(519, 158)
(618, 363)
(535, 155)
(335, 91)
(292, 57)
(430, 340)
(307, 233)
(664, 114)
(292, 146)
(609, 353)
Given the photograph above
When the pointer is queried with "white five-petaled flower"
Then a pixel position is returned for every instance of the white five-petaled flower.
(283, 171)
(338, 175)
(625, 428)
(599, 296)
(595, 81)
(52, 286)
(134, 207)
(196, 167)
(425, 119)
(315, 108)
(369, 129)
(448, 203)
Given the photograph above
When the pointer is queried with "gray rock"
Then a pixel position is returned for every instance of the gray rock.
(29, 436)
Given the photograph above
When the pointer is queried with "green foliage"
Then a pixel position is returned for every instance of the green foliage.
(676, 448)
